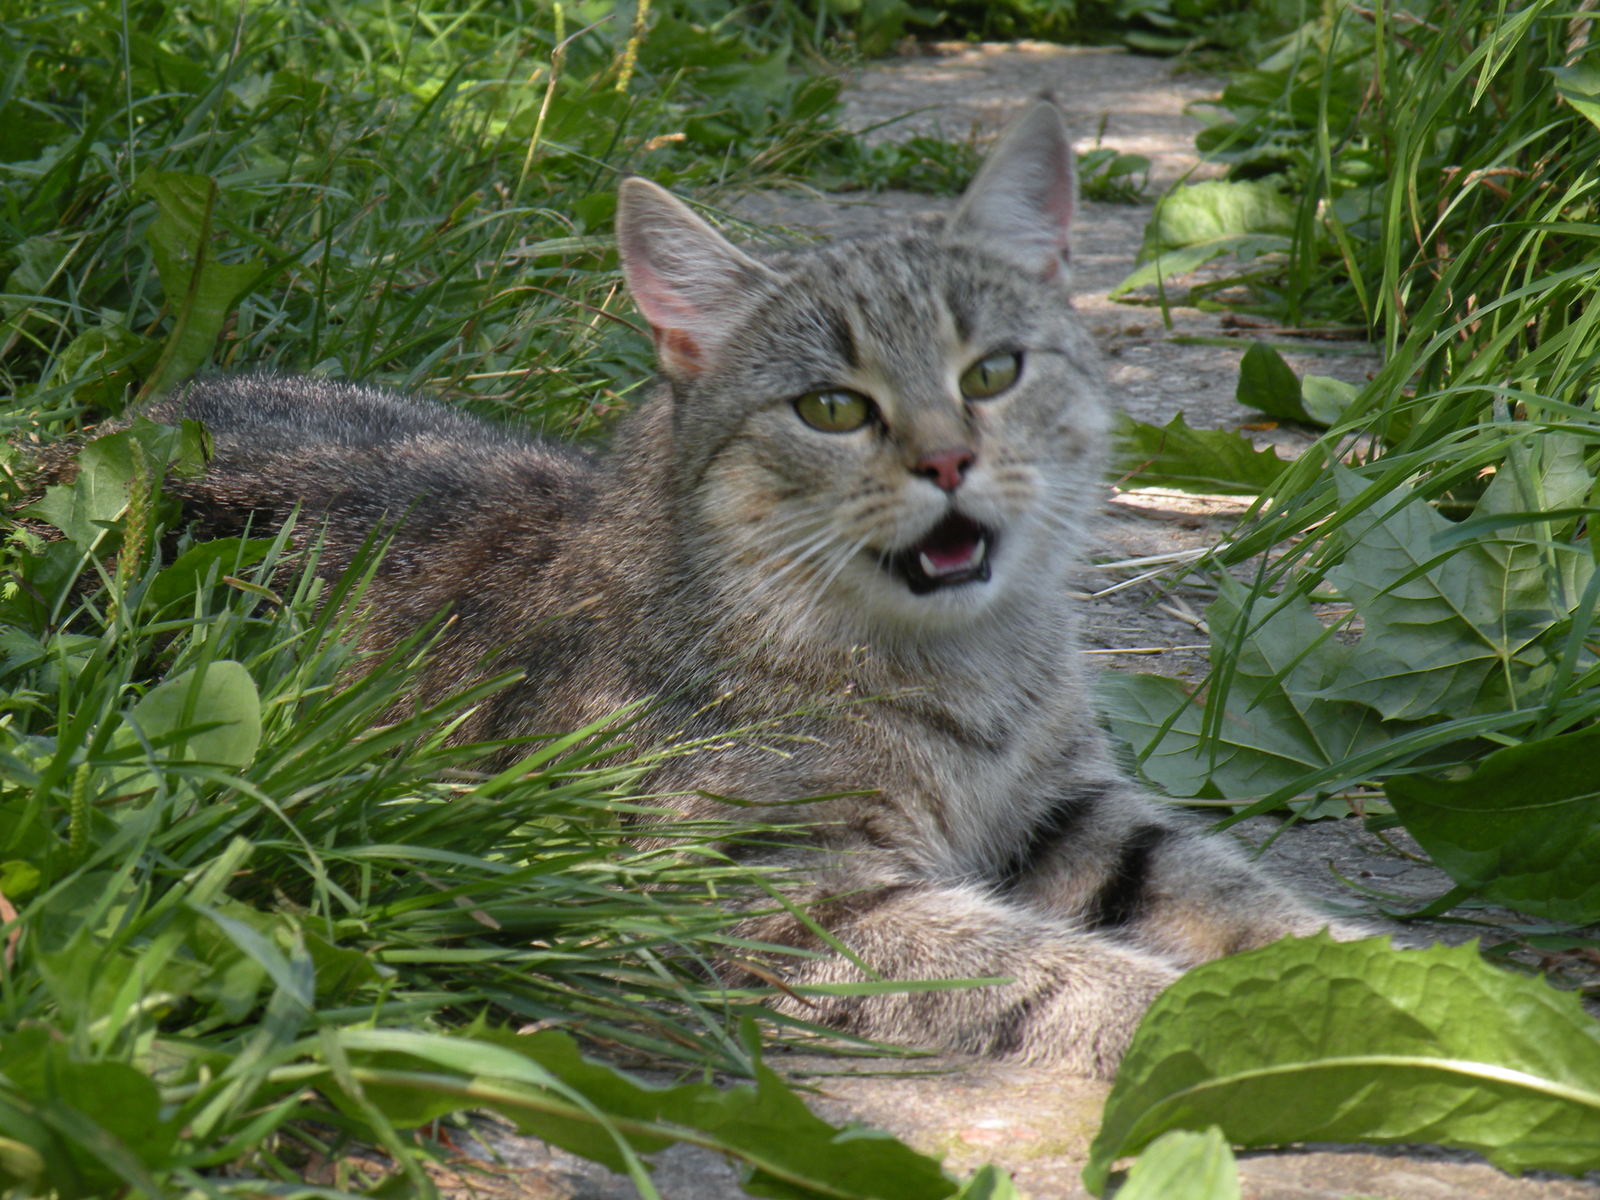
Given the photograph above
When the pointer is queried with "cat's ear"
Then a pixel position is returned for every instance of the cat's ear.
(693, 285)
(1022, 201)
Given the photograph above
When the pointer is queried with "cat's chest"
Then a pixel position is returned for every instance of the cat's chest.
(968, 772)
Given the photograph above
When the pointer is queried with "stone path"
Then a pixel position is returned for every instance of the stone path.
(1036, 1123)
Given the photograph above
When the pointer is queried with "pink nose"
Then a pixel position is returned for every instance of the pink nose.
(946, 468)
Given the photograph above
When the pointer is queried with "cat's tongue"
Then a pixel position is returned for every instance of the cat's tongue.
(955, 551)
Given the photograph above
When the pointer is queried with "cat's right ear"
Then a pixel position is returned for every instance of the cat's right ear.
(693, 285)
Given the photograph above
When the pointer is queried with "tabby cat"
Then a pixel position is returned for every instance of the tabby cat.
(847, 514)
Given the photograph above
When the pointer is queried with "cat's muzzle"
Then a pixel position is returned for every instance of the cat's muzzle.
(955, 551)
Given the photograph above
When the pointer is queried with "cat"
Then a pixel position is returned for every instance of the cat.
(845, 516)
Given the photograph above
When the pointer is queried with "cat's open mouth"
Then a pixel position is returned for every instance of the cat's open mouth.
(955, 551)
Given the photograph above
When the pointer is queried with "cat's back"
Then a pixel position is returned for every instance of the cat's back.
(356, 454)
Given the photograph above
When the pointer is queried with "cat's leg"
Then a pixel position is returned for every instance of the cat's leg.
(1072, 998)
(1132, 868)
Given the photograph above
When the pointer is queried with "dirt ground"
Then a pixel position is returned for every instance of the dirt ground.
(1036, 1123)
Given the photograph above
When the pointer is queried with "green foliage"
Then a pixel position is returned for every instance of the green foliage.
(354, 190)
(1181, 1165)
(1444, 165)
(1522, 829)
(1203, 460)
(1459, 637)
(1267, 383)
(1406, 1046)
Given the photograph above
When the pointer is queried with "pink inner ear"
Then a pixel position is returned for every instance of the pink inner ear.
(679, 353)
(663, 306)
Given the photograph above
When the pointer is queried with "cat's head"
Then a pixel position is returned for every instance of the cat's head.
(899, 431)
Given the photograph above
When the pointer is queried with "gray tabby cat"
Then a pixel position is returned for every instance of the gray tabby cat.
(855, 497)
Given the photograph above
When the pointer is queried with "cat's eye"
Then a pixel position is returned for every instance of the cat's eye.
(990, 376)
(834, 410)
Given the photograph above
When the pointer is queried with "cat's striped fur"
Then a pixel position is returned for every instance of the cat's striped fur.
(899, 584)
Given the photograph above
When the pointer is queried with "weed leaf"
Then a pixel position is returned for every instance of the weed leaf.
(1316, 1040)
(1197, 460)
(1579, 86)
(200, 291)
(1268, 383)
(1275, 728)
(542, 1084)
(1181, 1163)
(1522, 830)
(211, 714)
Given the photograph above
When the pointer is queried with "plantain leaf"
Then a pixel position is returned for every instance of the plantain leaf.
(1315, 1040)
(210, 714)
(1180, 1165)
(1523, 829)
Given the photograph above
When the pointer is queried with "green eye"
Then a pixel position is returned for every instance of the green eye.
(834, 411)
(990, 376)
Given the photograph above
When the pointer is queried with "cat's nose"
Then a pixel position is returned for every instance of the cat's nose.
(946, 468)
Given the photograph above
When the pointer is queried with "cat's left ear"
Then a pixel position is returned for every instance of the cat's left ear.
(693, 285)
(1022, 201)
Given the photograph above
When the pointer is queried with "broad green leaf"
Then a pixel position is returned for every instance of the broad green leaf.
(96, 1124)
(1325, 398)
(200, 564)
(1182, 1165)
(1269, 384)
(1579, 86)
(18, 878)
(107, 468)
(988, 1183)
(542, 1084)
(1196, 213)
(200, 291)
(1316, 1040)
(1168, 264)
(1199, 460)
(1523, 829)
(211, 714)
(1275, 727)
(1439, 617)
(106, 360)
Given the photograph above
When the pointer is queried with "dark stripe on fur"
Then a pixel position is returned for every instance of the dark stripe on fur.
(1054, 826)
(1012, 1027)
(844, 341)
(1121, 897)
